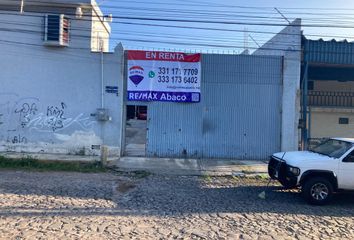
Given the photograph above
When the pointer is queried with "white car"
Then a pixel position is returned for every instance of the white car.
(327, 168)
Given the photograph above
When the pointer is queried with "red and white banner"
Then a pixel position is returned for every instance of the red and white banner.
(163, 76)
(163, 56)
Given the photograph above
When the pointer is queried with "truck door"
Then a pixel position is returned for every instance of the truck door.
(346, 172)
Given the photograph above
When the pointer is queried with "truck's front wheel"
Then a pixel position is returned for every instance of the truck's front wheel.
(317, 191)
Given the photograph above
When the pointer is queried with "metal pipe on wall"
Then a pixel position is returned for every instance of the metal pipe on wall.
(104, 151)
(102, 74)
(22, 6)
(304, 108)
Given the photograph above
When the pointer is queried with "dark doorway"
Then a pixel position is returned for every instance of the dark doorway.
(135, 131)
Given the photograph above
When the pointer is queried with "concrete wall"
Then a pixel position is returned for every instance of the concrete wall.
(287, 43)
(48, 94)
(101, 31)
(100, 36)
(324, 122)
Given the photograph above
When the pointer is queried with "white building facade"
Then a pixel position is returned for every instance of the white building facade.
(59, 85)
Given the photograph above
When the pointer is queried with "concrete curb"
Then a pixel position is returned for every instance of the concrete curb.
(199, 167)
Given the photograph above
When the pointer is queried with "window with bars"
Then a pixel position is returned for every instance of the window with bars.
(57, 30)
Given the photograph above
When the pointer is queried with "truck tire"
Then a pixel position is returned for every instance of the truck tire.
(317, 191)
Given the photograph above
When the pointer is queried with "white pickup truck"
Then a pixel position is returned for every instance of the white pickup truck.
(327, 168)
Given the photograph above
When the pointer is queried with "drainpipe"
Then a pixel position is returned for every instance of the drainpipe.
(22, 5)
(104, 149)
(304, 108)
(102, 74)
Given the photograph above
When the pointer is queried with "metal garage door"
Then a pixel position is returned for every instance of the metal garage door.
(239, 115)
(242, 109)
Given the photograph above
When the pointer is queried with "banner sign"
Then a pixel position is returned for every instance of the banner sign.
(163, 76)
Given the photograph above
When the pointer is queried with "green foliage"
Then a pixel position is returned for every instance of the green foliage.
(29, 163)
(141, 174)
(263, 176)
(206, 177)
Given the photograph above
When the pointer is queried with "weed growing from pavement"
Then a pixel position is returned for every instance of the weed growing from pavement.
(206, 178)
(141, 174)
(263, 176)
(32, 164)
(137, 174)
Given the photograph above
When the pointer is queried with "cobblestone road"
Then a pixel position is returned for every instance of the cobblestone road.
(110, 206)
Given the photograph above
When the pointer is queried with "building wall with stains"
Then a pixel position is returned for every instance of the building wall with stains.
(49, 99)
(49, 95)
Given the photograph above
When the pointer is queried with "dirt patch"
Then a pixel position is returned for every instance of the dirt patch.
(124, 187)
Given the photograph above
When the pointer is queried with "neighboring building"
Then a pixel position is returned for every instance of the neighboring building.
(328, 69)
(56, 77)
(85, 25)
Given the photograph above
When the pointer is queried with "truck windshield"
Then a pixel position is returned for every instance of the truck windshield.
(332, 148)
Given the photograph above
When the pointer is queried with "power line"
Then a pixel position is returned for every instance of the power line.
(207, 22)
(204, 4)
(184, 43)
(89, 30)
(210, 45)
(12, 29)
(160, 25)
(225, 22)
(148, 35)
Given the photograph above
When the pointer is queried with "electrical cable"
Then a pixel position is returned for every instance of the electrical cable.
(168, 42)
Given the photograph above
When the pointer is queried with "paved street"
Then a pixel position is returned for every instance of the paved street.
(117, 206)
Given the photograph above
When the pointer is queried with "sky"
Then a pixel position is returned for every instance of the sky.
(222, 26)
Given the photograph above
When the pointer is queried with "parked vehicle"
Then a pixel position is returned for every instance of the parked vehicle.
(320, 172)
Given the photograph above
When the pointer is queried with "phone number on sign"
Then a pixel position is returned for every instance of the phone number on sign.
(176, 79)
(178, 71)
(188, 75)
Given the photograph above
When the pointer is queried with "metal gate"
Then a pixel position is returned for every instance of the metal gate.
(239, 115)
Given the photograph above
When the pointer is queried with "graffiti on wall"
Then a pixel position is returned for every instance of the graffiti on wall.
(54, 118)
(44, 123)
(25, 113)
(20, 118)
(57, 111)
(17, 139)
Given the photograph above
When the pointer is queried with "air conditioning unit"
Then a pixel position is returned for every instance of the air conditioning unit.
(57, 29)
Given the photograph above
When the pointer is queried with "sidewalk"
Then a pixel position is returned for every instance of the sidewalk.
(165, 166)
(212, 167)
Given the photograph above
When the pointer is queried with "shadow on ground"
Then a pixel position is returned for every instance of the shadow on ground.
(158, 196)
